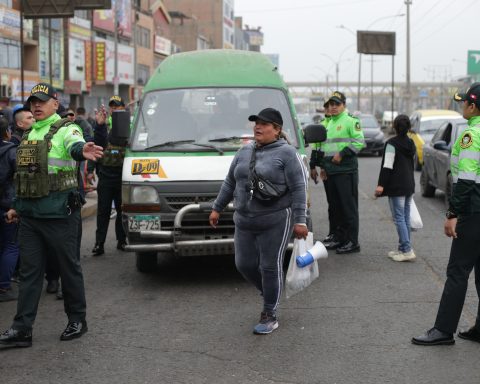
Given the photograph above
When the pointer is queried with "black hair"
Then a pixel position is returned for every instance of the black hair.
(3, 127)
(402, 125)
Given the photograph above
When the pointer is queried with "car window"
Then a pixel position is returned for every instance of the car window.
(368, 122)
(439, 135)
(199, 115)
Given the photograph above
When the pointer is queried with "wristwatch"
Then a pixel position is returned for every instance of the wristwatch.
(450, 215)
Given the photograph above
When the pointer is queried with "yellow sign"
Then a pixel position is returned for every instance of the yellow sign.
(148, 167)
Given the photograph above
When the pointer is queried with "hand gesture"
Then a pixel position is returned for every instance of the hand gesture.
(213, 219)
(92, 151)
(101, 115)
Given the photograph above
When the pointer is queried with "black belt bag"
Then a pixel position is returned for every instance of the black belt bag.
(260, 188)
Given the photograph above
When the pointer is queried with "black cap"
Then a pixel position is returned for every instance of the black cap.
(116, 100)
(269, 115)
(337, 96)
(472, 95)
(43, 91)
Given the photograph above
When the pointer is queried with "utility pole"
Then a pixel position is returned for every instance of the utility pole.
(408, 90)
(115, 62)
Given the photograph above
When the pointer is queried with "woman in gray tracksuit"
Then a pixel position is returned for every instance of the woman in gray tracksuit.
(263, 229)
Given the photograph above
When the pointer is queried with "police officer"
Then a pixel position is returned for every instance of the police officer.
(340, 168)
(109, 171)
(48, 207)
(315, 161)
(462, 223)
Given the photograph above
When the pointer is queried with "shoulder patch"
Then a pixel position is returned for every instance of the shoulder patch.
(76, 132)
(357, 126)
(466, 140)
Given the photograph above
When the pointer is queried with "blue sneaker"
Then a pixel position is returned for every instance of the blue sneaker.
(268, 323)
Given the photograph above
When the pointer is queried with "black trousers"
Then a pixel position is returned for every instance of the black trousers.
(332, 215)
(107, 192)
(37, 237)
(343, 191)
(464, 256)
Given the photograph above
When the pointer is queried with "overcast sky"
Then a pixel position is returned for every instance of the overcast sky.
(302, 32)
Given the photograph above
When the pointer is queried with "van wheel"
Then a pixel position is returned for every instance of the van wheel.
(146, 262)
(427, 189)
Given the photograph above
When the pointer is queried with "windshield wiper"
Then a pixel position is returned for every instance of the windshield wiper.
(223, 139)
(209, 146)
(169, 144)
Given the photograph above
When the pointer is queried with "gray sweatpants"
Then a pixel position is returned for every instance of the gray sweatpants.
(260, 245)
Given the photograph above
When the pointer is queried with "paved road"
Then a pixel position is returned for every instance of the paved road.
(191, 321)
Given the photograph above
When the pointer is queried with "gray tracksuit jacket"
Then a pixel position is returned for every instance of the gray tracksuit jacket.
(279, 163)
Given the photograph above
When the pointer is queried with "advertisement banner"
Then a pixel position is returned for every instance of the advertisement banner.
(76, 63)
(88, 65)
(100, 58)
(105, 18)
(125, 62)
(162, 45)
(79, 28)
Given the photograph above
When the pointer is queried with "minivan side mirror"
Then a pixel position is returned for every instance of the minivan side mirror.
(441, 145)
(315, 133)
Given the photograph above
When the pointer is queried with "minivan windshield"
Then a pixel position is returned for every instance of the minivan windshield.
(202, 119)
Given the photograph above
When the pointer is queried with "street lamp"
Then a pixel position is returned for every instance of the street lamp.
(337, 63)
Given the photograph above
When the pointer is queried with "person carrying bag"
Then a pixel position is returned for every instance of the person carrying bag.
(267, 181)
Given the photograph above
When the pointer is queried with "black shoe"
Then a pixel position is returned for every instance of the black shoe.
(98, 249)
(7, 295)
(473, 334)
(16, 338)
(333, 244)
(434, 337)
(348, 247)
(329, 238)
(121, 245)
(52, 286)
(74, 330)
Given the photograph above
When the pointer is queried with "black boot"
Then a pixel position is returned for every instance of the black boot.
(16, 338)
(98, 249)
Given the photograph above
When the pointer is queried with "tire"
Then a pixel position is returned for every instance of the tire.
(146, 262)
(427, 189)
(448, 190)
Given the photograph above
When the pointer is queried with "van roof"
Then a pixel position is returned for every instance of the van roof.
(215, 67)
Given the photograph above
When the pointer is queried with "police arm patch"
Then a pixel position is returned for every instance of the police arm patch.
(357, 126)
(76, 132)
(466, 140)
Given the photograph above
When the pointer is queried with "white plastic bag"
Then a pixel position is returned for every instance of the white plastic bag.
(415, 218)
(299, 278)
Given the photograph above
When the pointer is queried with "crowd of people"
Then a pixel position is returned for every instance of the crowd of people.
(41, 197)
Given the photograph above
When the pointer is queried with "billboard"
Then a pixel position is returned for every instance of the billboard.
(376, 43)
(473, 63)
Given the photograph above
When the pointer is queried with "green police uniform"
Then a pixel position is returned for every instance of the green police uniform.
(344, 136)
(464, 202)
(49, 208)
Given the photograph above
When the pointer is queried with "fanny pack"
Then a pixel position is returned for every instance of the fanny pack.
(261, 188)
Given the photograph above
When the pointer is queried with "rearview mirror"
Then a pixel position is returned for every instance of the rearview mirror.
(315, 133)
(441, 145)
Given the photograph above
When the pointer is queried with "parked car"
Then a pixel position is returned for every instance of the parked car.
(374, 136)
(436, 154)
(425, 123)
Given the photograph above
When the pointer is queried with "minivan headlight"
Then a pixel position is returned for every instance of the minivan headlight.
(143, 194)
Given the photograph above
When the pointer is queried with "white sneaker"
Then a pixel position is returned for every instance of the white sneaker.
(405, 256)
(394, 253)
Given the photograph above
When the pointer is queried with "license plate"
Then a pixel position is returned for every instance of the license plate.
(143, 223)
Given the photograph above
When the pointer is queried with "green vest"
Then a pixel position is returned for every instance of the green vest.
(465, 168)
(343, 131)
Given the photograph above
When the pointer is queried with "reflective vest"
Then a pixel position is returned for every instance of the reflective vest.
(44, 163)
(343, 131)
(465, 168)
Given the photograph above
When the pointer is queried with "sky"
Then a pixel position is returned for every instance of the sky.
(306, 35)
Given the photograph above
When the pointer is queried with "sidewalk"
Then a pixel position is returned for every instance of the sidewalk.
(90, 208)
